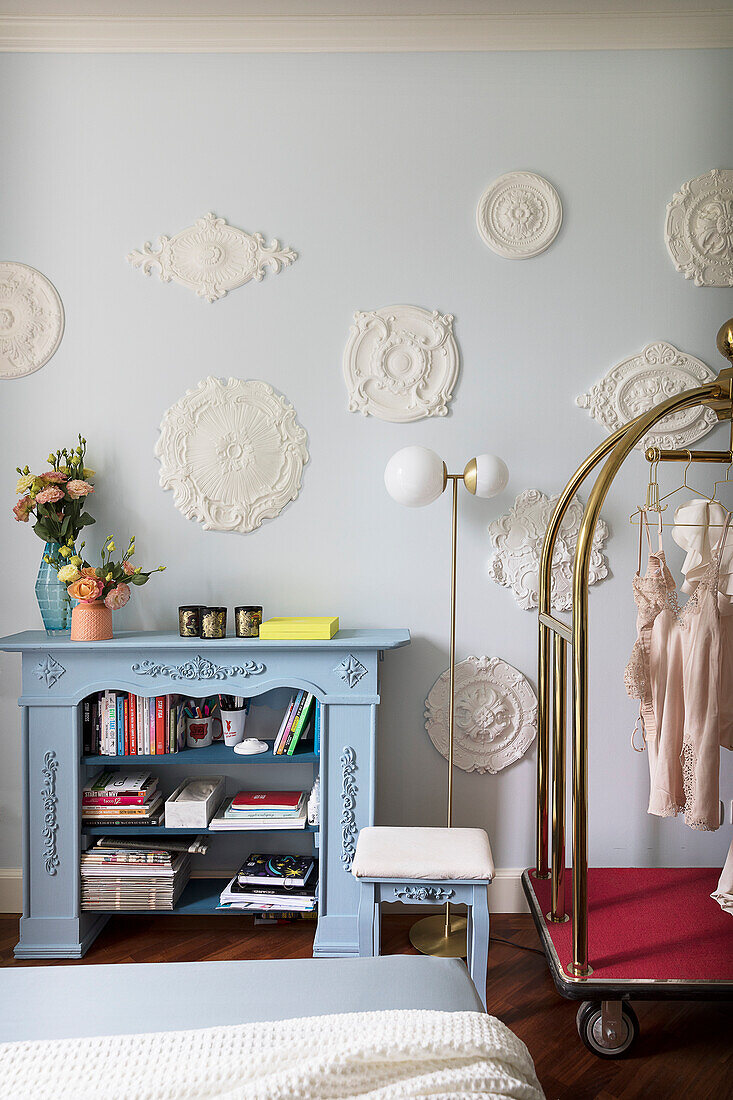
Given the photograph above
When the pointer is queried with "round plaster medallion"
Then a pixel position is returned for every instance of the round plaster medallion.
(699, 228)
(519, 215)
(31, 319)
(517, 537)
(495, 714)
(637, 384)
(401, 363)
(232, 452)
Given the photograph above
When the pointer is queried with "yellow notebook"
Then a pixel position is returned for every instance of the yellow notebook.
(306, 628)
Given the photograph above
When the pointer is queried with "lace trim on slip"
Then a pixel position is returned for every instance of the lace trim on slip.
(689, 765)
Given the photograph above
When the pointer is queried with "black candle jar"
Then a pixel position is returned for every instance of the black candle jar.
(213, 622)
(247, 621)
(189, 621)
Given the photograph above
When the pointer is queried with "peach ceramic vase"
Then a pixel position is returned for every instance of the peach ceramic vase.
(91, 622)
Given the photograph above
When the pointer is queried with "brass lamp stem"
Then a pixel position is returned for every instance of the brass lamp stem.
(452, 680)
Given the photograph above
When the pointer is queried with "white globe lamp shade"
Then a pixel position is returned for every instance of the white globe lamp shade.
(415, 476)
(486, 475)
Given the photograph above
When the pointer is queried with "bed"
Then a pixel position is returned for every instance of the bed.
(396, 1026)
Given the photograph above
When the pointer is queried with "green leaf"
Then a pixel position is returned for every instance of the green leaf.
(138, 578)
(85, 520)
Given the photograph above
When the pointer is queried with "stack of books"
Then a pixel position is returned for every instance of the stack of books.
(117, 723)
(132, 879)
(263, 810)
(308, 628)
(275, 884)
(300, 714)
(122, 798)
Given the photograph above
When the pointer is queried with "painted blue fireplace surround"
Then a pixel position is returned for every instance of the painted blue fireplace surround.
(58, 674)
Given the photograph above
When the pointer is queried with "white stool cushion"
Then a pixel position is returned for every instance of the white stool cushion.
(433, 854)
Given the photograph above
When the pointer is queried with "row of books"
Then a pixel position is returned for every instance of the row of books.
(302, 713)
(262, 810)
(122, 798)
(132, 878)
(274, 884)
(117, 723)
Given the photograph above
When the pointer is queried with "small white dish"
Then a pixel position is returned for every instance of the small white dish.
(250, 747)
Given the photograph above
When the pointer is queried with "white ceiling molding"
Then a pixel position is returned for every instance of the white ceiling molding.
(414, 32)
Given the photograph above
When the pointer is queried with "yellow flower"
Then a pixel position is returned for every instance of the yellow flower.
(68, 574)
(111, 546)
(139, 569)
(109, 577)
(76, 560)
(86, 472)
(51, 459)
(24, 483)
(70, 541)
(64, 551)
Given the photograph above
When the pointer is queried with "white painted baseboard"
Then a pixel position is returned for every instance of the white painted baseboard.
(505, 895)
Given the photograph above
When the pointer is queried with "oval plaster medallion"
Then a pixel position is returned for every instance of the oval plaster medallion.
(31, 319)
(517, 537)
(232, 452)
(212, 257)
(519, 215)
(401, 363)
(495, 714)
(699, 228)
(637, 384)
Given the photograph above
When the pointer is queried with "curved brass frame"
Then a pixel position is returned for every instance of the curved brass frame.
(615, 449)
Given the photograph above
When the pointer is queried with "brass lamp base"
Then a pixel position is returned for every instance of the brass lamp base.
(428, 936)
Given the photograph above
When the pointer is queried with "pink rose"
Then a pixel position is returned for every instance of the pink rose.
(86, 589)
(53, 477)
(77, 489)
(49, 495)
(118, 597)
(22, 509)
(128, 567)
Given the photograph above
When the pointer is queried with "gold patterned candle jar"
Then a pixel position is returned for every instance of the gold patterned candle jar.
(214, 622)
(189, 621)
(247, 621)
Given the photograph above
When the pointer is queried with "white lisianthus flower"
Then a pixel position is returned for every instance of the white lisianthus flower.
(68, 574)
(24, 483)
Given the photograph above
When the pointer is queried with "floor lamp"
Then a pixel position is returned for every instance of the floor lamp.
(416, 476)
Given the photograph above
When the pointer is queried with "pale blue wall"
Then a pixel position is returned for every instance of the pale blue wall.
(370, 166)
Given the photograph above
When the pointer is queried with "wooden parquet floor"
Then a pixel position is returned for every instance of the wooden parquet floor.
(684, 1050)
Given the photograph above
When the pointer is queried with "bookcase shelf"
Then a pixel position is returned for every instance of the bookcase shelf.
(58, 675)
(200, 897)
(161, 830)
(209, 756)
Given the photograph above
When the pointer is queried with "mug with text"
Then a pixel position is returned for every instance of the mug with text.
(232, 723)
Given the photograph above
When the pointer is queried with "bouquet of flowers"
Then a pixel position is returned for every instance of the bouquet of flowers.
(57, 498)
(109, 581)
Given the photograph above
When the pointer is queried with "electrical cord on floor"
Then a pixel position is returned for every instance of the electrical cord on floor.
(519, 946)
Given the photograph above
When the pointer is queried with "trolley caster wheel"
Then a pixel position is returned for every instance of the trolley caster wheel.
(607, 1028)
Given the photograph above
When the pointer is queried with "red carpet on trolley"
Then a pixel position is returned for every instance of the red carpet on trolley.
(649, 922)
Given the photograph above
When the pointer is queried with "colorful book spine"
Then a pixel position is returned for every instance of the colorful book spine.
(284, 724)
(140, 725)
(293, 717)
(111, 724)
(120, 709)
(299, 727)
(132, 706)
(317, 720)
(160, 712)
(114, 799)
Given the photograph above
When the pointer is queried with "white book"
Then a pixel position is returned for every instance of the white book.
(146, 727)
(139, 727)
(218, 821)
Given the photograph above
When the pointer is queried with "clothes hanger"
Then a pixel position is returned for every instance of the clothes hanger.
(656, 501)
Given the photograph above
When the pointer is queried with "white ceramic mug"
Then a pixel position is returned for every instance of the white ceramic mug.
(199, 732)
(232, 722)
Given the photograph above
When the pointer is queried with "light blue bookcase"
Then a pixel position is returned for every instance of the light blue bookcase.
(58, 674)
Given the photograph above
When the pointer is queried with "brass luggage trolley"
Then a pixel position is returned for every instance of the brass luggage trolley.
(606, 1022)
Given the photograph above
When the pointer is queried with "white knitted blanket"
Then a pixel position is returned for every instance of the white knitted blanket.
(369, 1055)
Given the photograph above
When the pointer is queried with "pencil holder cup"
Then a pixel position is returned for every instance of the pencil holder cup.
(232, 722)
(199, 732)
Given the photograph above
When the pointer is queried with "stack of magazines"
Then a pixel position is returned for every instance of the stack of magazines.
(263, 810)
(273, 883)
(132, 878)
(122, 798)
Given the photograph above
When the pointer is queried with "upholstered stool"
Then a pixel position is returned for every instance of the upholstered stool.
(426, 866)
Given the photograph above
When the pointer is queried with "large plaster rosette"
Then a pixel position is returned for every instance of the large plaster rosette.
(642, 381)
(519, 215)
(232, 452)
(517, 538)
(212, 257)
(495, 714)
(401, 363)
(31, 319)
(699, 228)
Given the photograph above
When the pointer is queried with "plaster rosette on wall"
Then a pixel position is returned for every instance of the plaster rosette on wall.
(401, 363)
(517, 539)
(211, 257)
(519, 215)
(31, 319)
(637, 384)
(699, 228)
(232, 452)
(495, 714)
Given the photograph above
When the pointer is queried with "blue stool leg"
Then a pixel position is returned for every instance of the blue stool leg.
(480, 940)
(377, 926)
(366, 919)
(469, 934)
